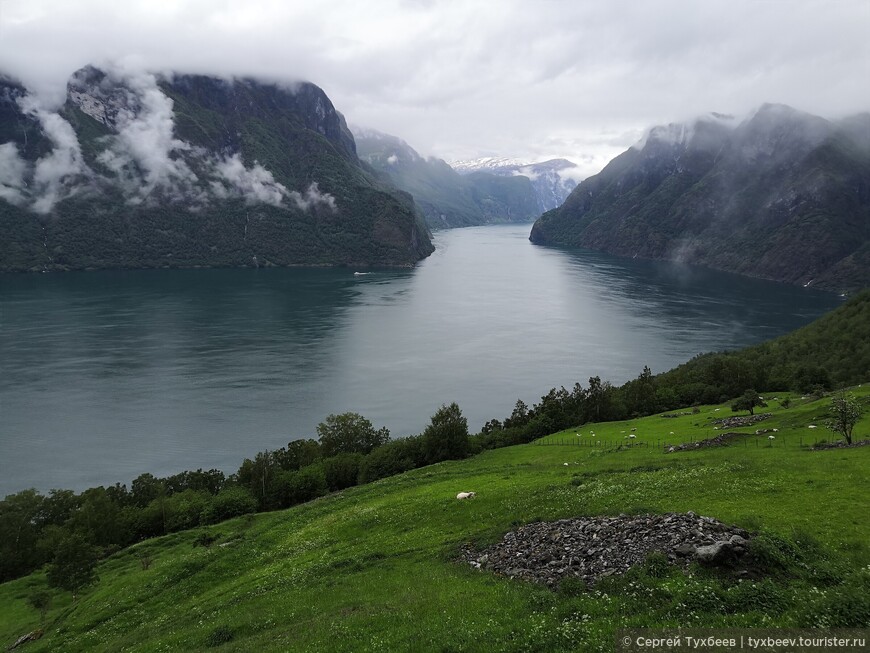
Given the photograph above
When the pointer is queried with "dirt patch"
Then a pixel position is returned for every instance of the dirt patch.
(591, 548)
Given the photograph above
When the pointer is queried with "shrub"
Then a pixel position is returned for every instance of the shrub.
(206, 539)
(772, 554)
(220, 635)
(844, 606)
(392, 458)
(656, 565)
(572, 586)
(763, 596)
(230, 502)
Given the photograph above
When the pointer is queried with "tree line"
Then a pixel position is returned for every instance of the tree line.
(36, 528)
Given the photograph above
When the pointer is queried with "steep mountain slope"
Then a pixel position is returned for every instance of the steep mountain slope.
(551, 187)
(784, 195)
(446, 198)
(142, 171)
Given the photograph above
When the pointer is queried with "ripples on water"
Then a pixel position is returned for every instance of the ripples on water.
(106, 375)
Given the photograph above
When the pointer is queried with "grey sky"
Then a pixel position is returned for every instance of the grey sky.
(466, 78)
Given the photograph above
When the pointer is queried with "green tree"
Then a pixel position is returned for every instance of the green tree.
(446, 437)
(72, 568)
(145, 488)
(231, 501)
(748, 401)
(98, 518)
(184, 509)
(298, 454)
(257, 475)
(291, 488)
(395, 457)
(642, 393)
(349, 433)
(519, 416)
(41, 601)
(342, 471)
(19, 515)
(845, 413)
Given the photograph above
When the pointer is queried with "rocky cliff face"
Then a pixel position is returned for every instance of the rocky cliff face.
(446, 198)
(138, 170)
(783, 195)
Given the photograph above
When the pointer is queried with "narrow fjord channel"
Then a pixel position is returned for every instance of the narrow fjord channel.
(106, 375)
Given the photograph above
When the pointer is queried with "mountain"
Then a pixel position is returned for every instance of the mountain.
(551, 187)
(446, 198)
(143, 171)
(782, 195)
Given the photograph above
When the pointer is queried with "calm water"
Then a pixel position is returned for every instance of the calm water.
(106, 375)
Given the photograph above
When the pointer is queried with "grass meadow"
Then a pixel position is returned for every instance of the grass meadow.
(374, 568)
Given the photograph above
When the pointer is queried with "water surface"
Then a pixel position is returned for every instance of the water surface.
(105, 375)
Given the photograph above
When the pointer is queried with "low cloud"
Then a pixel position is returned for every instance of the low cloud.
(527, 171)
(145, 153)
(575, 174)
(255, 184)
(313, 198)
(54, 176)
(12, 171)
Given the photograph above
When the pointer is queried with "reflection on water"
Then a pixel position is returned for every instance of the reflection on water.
(109, 374)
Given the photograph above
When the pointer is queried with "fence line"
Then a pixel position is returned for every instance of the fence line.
(760, 442)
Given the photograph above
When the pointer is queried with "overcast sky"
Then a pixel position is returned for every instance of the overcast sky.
(465, 78)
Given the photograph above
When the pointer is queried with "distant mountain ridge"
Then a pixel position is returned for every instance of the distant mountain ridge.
(446, 198)
(551, 187)
(141, 170)
(782, 195)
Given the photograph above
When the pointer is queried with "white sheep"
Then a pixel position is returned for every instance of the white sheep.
(811, 426)
(466, 495)
(632, 435)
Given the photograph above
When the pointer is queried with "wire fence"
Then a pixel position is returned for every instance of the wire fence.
(762, 441)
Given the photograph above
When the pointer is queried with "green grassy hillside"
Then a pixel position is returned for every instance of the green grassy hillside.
(374, 568)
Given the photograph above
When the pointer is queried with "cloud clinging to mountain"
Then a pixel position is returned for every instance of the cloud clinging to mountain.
(459, 80)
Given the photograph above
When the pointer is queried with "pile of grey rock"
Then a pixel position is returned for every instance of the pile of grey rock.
(721, 440)
(741, 421)
(591, 548)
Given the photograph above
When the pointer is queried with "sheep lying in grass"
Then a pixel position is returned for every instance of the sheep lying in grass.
(466, 495)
